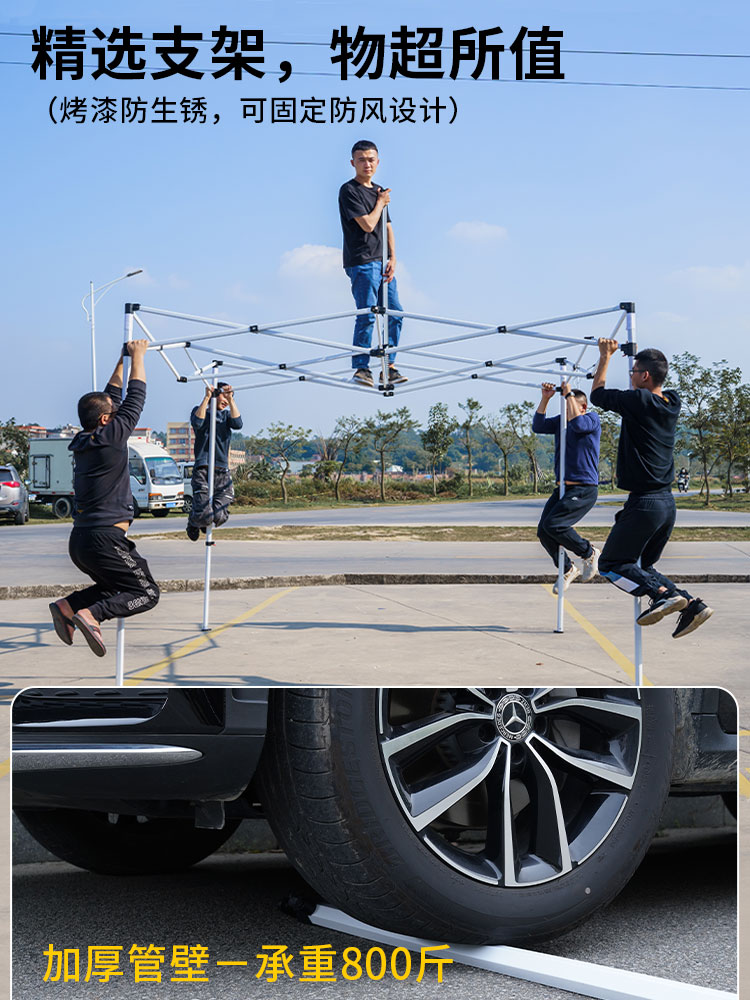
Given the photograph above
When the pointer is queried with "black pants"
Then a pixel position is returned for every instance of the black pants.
(641, 530)
(123, 585)
(558, 517)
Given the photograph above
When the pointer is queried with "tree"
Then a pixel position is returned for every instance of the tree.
(438, 437)
(699, 388)
(519, 417)
(609, 442)
(14, 446)
(284, 443)
(348, 437)
(500, 432)
(471, 408)
(731, 415)
(384, 430)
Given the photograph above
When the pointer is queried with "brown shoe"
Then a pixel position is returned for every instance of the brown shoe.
(91, 633)
(63, 623)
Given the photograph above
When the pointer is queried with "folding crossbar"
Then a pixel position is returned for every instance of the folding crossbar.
(263, 372)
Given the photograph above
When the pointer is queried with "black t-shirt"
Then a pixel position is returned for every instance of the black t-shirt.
(356, 200)
(101, 476)
(645, 454)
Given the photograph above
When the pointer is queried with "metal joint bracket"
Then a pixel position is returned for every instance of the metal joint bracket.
(131, 307)
(474, 375)
(210, 543)
(282, 367)
(489, 364)
(188, 343)
(388, 393)
(629, 349)
(216, 363)
(590, 375)
(628, 307)
(378, 310)
(561, 361)
(377, 352)
(302, 378)
(254, 328)
(502, 329)
(182, 378)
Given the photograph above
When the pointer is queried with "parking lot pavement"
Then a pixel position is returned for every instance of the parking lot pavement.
(385, 634)
(659, 925)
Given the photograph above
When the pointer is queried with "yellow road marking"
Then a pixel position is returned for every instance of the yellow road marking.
(196, 643)
(4, 767)
(744, 786)
(609, 647)
(744, 732)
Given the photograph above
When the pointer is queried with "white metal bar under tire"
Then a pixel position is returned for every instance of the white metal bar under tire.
(570, 974)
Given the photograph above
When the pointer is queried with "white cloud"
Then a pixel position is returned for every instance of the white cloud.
(311, 261)
(726, 278)
(178, 283)
(478, 232)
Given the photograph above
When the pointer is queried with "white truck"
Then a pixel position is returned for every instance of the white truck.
(155, 480)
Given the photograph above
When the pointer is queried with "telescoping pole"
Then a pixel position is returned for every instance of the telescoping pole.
(561, 551)
(637, 631)
(120, 645)
(384, 337)
(210, 529)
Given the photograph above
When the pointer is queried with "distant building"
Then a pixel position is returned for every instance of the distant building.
(33, 430)
(68, 431)
(237, 457)
(145, 434)
(181, 442)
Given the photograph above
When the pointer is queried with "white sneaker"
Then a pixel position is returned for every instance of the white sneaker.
(591, 566)
(569, 577)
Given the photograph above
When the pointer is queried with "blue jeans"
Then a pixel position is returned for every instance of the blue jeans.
(367, 280)
(641, 530)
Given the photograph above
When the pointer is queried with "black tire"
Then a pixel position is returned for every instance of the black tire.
(20, 517)
(62, 507)
(136, 508)
(343, 814)
(122, 845)
(188, 505)
(160, 513)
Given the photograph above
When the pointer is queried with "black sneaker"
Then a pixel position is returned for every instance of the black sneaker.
(193, 532)
(363, 376)
(660, 607)
(394, 376)
(692, 617)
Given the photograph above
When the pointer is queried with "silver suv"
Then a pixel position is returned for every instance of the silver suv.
(14, 497)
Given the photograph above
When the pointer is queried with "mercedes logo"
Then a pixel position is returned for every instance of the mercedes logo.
(513, 717)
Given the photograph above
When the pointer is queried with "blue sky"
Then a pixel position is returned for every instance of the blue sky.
(540, 200)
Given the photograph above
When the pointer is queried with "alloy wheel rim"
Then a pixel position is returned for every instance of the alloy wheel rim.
(511, 786)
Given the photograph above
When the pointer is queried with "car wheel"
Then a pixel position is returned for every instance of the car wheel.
(160, 513)
(62, 507)
(468, 814)
(136, 508)
(20, 517)
(115, 844)
(188, 504)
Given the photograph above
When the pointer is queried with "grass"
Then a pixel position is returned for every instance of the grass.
(440, 533)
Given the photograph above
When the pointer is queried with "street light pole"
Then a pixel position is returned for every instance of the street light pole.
(90, 315)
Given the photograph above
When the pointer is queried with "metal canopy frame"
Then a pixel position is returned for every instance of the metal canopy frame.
(433, 369)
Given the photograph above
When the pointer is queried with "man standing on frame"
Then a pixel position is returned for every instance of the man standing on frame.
(645, 467)
(228, 419)
(584, 431)
(361, 207)
(99, 545)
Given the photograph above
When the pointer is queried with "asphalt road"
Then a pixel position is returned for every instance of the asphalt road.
(500, 512)
(659, 925)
